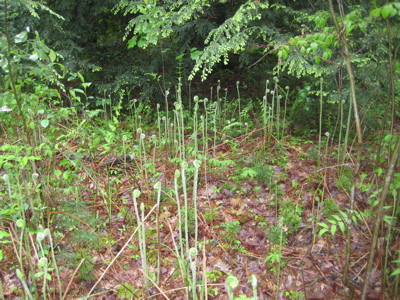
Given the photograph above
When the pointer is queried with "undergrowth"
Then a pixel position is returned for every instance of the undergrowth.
(190, 194)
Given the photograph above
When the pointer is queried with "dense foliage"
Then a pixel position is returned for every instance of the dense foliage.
(105, 104)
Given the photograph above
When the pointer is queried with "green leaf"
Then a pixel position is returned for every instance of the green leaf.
(3, 234)
(376, 12)
(285, 54)
(195, 55)
(330, 39)
(323, 225)
(327, 54)
(21, 37)
(379, 171)
(322, 231)
(342, 227)
(333, 229)
(132, 42)
(395, 272)
(247, 172)
(38, 274)
(180, 56)
(388, 11)
(80, 76)
(52, 56)
(322, 37)
(344, 215)
(86, 84)
(314, 46)
(142, 41)
(78, 91)
(320, 21)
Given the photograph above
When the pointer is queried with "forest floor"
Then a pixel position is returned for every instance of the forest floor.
(277, 212)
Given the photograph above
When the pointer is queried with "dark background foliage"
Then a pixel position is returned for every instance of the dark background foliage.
(93, 40)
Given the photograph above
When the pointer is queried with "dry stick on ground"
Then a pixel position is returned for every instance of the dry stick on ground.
(72, 278)
(155, 284)
(120, 251)
(379, 217)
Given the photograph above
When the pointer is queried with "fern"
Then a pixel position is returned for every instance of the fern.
(232, 36)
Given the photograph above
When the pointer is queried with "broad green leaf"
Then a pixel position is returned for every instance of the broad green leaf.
(86, 84)
(330, 38)
(376, 12)
(52, 56)
(314, 46)
(320, 21)
(389, 220)
(132, 42)
(317, 60)
(78, 91)
(21, 37)
(322, 231)
(195, 54)
(323, 225)
(326, 55)
(294, 42)
(285, 54)
(38, 274)
(322, 37)
(142, 41)
(388, 11)
(395, 272)
(3, 234)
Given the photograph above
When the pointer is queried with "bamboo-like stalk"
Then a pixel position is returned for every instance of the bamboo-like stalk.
(341, 31)
(379, 217)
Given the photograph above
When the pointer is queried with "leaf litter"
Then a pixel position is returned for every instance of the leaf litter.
(308, 265)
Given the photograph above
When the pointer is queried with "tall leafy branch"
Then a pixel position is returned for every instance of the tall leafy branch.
(21, 55)
(157, 21)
